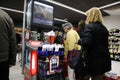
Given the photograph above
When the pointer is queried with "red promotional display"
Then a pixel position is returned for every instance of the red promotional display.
(33, 63)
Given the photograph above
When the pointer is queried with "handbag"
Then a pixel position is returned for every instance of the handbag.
(83, 65)
(73, 58)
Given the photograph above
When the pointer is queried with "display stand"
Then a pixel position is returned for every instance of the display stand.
(50, 63)
(43, 58)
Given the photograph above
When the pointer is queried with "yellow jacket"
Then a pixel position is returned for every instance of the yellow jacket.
(72, 38)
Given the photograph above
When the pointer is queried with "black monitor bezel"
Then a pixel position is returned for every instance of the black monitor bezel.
(33, 25)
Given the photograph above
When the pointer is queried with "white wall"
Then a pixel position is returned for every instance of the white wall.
(112, 21)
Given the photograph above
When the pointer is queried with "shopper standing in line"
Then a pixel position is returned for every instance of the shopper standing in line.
(81, 26)
(7, 45)
(95, 41)
(58, 38)
(71, 38)
(79, 72)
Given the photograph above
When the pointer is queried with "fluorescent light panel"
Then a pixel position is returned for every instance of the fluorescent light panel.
(13, 10)
(109, 5)
(58, 19)
(66, 6)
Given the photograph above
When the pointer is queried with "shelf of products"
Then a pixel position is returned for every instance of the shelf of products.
(114, 44)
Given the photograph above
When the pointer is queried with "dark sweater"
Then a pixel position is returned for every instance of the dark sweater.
(7, 39)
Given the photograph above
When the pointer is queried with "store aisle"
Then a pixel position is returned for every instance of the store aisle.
(15, 72)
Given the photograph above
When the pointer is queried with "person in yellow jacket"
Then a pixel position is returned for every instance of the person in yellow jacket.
(72, 38)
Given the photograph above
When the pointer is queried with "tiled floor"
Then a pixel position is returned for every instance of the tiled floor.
(15, 72)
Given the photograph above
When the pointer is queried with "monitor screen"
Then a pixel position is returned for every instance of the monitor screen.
(42, 14)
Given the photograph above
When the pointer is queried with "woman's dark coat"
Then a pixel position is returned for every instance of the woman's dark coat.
(95, 41)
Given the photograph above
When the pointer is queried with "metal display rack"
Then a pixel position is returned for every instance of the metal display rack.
(40, 60)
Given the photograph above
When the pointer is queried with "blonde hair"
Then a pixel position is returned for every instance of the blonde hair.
(94, 15)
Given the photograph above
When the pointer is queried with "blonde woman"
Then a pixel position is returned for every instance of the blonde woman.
(95, 41)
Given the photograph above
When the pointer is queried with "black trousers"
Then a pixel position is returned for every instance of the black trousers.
(78, 72)
(81, 71)
(78, 75)
(4, 70)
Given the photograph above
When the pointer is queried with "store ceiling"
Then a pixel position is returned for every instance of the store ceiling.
(59, 12)
(113, 11)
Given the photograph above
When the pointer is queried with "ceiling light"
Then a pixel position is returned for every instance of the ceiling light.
(13, 10)
(109, 5)
(57, 19)
(66, 6)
